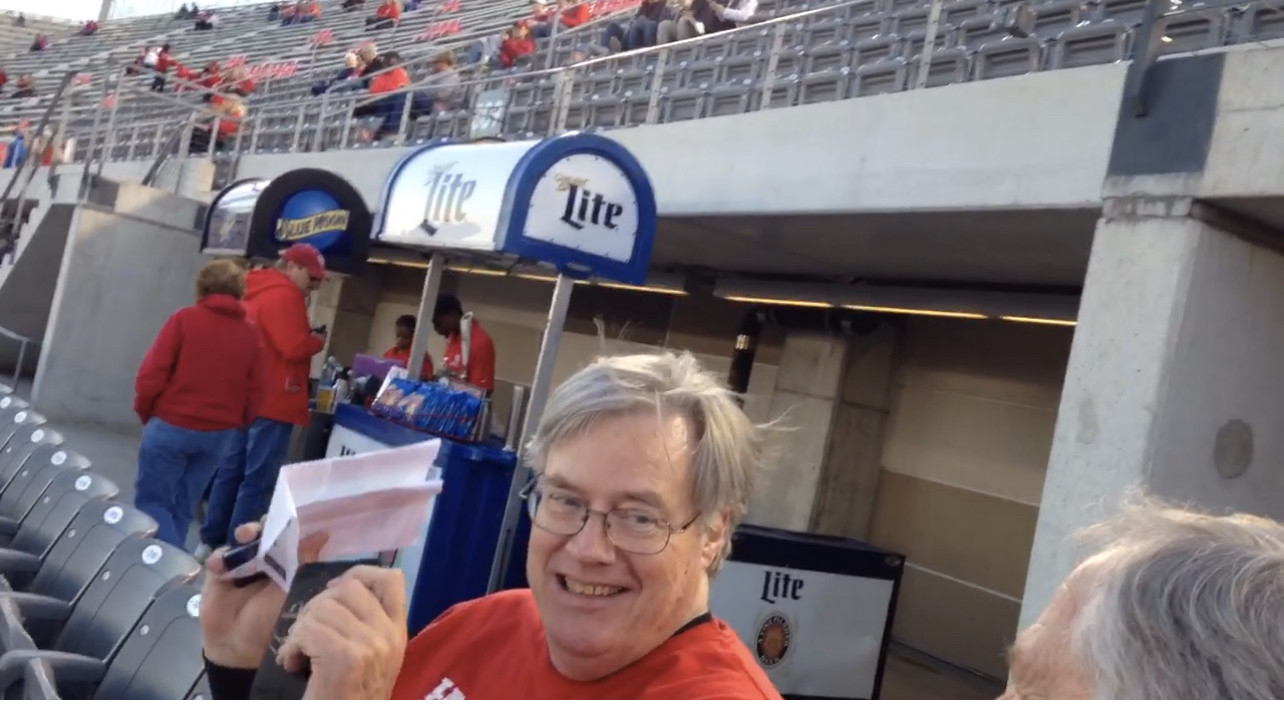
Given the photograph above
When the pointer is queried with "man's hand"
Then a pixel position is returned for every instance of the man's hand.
(354, 635)
(237, 623)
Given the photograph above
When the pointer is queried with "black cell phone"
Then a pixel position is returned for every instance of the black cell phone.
(239, 556)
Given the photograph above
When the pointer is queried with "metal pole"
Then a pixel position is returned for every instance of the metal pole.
(423, 321)
(929, 44)
(534, 411)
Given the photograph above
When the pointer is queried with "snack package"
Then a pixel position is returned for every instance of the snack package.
(392, 395)
(410, 404)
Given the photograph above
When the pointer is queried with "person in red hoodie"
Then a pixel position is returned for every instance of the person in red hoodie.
(516, 45)
(275, 301)
(200, 381)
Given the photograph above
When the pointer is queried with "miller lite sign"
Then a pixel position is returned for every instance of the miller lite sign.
(580, 203)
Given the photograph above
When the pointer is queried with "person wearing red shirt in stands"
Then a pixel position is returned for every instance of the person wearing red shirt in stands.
(643, 466)
(470, 353)
(517, 47)
(276, 302)
(386, 17)
(401, 351)
(571, 14)
(163, 63)
(200, 381)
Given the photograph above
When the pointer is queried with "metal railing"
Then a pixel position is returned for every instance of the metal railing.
(331, 121)
(35, 144)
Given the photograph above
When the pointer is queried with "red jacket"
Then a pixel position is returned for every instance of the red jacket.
(277, 307)
(513, 48)
(204, 370)
(577, 15)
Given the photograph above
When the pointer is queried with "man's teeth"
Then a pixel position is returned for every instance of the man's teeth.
(590, 589)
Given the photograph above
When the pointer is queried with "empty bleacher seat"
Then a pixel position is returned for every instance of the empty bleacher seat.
(889, 75)
(1093, 43)
(1192, 30)
(26, 443)
(1010, 56)
(54, 512)
(29, 484)
(98, 623)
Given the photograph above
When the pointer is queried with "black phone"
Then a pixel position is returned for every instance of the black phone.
(239, 556)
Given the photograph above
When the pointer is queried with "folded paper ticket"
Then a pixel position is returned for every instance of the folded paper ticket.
(365, 504)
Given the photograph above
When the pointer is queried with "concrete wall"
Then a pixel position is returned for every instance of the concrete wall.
(1180, 336)
(946, 148)
(973, 408)
(26, 293)
(123, 274)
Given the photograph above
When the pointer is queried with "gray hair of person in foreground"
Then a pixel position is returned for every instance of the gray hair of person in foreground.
(1185, 606)
(729, 447)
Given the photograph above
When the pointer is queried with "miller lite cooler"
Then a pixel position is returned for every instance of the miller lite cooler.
(815, 611)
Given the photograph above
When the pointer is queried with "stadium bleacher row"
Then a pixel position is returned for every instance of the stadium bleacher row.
(796, 52)
(91, 605)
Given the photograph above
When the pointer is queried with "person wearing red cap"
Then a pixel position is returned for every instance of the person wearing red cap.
(276, 302)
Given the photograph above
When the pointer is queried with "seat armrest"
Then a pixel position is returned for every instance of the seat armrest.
(65, 667)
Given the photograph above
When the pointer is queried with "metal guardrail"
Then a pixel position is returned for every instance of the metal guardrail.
(23, 342)
(35, 146)
(316, 122)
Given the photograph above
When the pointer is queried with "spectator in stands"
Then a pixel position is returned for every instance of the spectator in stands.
(345, 79)
(308, 11)
(184, 13)
(443, 85)
(89, 29)
(230, 112)
(571, 13)
(237, 81)
(350, 5)
(386, 17)
(704, 17)
(39, 43)
(540, 12)
(643, 467)
(20, 20)
(206, 21)
(163, 64)
(518, 48)
(26, 87)
(274, 12)
(289, 11)
(641, 31)
(1177, 605)
(276, 300)
(200, 381)
(16, 150)
(4, 79)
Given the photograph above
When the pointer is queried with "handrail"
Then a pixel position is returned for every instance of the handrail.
(33, 156)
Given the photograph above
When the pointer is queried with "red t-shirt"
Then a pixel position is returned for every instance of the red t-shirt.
(481, 358)
(493, 648)
(403, 356)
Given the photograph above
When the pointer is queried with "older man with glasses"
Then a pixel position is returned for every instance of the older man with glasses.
(644, 465)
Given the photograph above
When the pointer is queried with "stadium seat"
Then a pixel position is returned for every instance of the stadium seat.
(26, 488)
(73, 560)
(54, 511)
(99, 622)
(161, 659)
(28, 444)
(15, 414)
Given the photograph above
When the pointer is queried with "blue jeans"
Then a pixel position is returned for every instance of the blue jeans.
(245, 479)
(174, 468)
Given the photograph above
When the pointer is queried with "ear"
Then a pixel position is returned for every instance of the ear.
(715, 535)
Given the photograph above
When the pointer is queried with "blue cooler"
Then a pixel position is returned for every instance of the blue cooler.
(464, 531)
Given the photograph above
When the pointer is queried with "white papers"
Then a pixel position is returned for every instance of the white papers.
(365, 504)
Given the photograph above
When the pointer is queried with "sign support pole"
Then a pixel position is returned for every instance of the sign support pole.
(540, 388)
(423, 319)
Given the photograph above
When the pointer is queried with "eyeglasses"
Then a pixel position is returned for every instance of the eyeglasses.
(636, 531)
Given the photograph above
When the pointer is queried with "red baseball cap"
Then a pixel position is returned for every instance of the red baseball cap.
(308, 257)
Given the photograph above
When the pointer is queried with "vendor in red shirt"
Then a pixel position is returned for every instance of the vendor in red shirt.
(470, 353)
(401, 351)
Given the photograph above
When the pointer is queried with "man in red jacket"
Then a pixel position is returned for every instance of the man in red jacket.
(199, 383)
(275, 300)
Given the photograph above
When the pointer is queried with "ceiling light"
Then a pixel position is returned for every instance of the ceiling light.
(417, 264)
(1047, 321)
(535, 277)
(779, 302)
(669, 290)
(478, 270)
(916, 311)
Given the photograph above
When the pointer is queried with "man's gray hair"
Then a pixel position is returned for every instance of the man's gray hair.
(729, 448)
(1184, 605)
